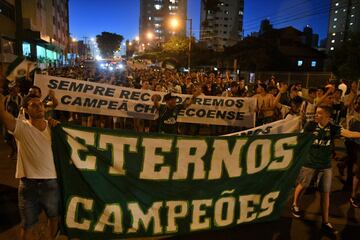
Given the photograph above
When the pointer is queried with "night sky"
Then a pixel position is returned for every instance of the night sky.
(89, 18)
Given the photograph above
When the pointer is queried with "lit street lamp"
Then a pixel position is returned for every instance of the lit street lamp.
(174, 23)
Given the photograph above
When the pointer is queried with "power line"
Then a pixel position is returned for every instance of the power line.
(296, 5)
(281, 17)
(316, 12)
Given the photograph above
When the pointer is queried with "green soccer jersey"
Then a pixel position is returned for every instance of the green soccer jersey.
(319, 156)
(168, 118)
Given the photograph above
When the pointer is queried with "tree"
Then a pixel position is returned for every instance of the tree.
(345, 60)
(177, 45)
(108, 43)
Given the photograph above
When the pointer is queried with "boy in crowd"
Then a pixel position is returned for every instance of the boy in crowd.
(318, 162)
(169, 111)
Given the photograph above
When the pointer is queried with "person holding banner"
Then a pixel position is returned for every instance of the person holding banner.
(38, 187)
(318, 162)
(169, 111)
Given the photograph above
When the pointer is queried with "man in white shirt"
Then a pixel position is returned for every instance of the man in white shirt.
(343, 87)
(38, 188)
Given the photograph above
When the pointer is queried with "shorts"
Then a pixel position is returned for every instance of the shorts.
(322, 181)
(36, 195)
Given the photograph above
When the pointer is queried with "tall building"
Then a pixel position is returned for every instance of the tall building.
(7, 33)
(155, 17)
(38, 29)
(45, 29)
(222, 25)
(344, 20)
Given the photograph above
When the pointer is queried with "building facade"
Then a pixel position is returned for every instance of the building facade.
(222, 26)
(155, 17)
(344, 19)
(7, 33)
(45, 30)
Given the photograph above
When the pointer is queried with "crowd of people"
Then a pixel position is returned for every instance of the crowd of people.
(321, 109)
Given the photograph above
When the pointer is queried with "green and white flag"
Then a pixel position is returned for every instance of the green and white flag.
(122, 185)
(18, 68)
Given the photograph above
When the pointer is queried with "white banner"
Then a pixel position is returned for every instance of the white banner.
(278, 127)
(103, 99)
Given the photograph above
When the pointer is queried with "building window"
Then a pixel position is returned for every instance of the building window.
(226, 12)
(336, 11)
(333, 41)
(332, 48)
(337, 4)
(26, 49)
(241, 13)
(351, 24)
(335, 19)
(334, 34)
(300, 63)
(334, 26)
(313, 64)
(157, 6)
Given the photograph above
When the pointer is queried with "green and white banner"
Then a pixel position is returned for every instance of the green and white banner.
(104, 99)
(282, 126)
(121, 184)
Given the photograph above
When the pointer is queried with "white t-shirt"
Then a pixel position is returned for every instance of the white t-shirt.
(35, 157)
(308, 109)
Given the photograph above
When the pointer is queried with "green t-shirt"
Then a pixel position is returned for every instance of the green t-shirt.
(319, 156)
(168, 118)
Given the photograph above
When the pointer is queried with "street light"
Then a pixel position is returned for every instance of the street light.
(174, 23)
(149, 35)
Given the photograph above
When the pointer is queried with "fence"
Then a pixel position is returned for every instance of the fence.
(307, 79)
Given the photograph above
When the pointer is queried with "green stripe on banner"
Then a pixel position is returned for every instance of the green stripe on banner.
(119, 184)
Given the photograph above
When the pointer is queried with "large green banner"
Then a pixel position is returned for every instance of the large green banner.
(119, 184)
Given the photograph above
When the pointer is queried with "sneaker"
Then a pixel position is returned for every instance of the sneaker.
(355, 202)
(295, 211)
(328, 228)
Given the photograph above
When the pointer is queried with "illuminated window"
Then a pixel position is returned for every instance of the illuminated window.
(332, 48)
(344, 10)
(157, 6)
(336, 11)
(241, 12)
(333, 41)
(334, 34)
(351, 24)
(352, 15)
(149, 18)
(336, 4)
(334, 26)
(313, 63)
(335, 19)
(300, 63)
(26, 49)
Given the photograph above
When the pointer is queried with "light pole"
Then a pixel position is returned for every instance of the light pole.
(174, 24)
(190, 35)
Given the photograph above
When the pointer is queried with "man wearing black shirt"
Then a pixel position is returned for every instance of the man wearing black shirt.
(169, 111)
